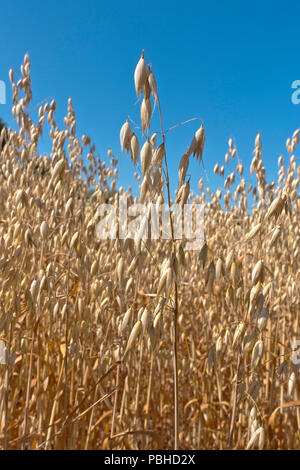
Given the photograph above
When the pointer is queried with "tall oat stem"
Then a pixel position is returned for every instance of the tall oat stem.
(175, 318)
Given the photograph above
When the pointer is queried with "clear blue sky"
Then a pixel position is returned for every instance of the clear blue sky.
(231, 63)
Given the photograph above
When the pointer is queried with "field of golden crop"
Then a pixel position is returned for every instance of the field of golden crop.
(143, 344)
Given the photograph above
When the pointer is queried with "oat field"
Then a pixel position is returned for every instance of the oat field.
(141, 343)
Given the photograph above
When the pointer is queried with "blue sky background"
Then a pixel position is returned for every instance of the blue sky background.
(231, 63)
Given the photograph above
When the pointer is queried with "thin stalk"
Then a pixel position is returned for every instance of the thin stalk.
(233, 416)
(175, 318)
(113, 424)
(138, 386)
(28, 390)
(66, 402)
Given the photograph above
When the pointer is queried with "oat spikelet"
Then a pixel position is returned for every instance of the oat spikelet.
(140, 76)
(158, 155)
(197, 145)
(257, 354)
(275, 208)
(257, 272)
(146, 110)
(125, 136)
(253, 232)
(44, 229)
(258, 437)
(135, 149)
(146, 156)
(136, 330)
(153, 139)
(275, 235)
(291, 384)
(152, 84)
